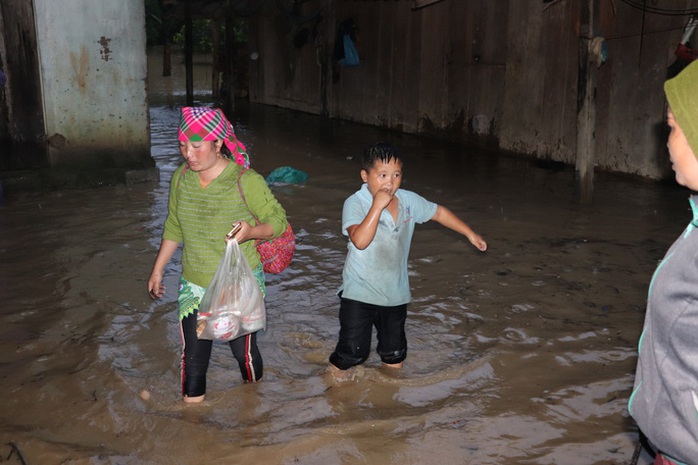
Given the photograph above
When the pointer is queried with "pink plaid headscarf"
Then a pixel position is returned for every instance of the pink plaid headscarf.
(199, 124)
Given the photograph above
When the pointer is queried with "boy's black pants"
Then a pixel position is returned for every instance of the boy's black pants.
(357, 320)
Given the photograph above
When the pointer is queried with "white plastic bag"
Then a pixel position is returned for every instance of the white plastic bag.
(232, 305)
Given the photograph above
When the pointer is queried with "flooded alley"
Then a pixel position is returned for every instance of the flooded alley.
(522, 355)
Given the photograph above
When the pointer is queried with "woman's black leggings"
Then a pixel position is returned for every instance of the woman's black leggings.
(196, 354)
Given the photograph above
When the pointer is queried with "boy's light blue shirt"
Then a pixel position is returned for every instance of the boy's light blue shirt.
(378, 274)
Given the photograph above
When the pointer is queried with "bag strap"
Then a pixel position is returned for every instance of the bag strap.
(181, 175)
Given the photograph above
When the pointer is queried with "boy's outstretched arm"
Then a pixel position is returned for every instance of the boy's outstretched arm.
(447, 218)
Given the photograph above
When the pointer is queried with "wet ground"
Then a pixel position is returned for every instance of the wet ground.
(522, 355)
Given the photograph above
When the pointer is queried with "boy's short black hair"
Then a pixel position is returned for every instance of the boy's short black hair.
(380, 151)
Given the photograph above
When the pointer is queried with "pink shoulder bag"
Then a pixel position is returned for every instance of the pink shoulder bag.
(276, 254)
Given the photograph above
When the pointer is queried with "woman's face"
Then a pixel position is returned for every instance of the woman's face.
(200, 156)
(683, 160)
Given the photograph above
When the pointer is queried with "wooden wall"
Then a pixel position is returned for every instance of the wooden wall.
(21, 115)
(496, 73)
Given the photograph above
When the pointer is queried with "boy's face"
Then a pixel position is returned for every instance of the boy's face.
(683, 160)
(383, 176)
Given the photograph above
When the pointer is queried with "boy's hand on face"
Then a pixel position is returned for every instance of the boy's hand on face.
(382, 199)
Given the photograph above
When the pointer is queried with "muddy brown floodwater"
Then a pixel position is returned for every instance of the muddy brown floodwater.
(522, 355)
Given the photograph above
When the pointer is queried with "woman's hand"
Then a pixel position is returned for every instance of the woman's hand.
(246, 232)
(242, 231)
(155, 287)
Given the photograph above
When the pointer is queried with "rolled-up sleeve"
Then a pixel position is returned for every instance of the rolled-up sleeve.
(262, 202)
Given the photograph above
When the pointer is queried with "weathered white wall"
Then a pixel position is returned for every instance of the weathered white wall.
(93, 76)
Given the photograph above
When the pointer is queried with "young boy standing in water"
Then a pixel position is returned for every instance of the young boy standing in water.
(664, 402)
(379, 220)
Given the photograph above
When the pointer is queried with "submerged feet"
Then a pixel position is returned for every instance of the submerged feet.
(336, 376)
(394, 366)
(198, 399)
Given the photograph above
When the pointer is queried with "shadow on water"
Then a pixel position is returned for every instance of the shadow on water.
(522, 355)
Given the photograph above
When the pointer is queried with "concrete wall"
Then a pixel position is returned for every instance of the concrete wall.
(495, 73)
(75, 103)
(93, 73)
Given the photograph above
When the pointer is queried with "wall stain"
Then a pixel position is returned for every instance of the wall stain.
(57, 141)
(80, 67)
(104, 42)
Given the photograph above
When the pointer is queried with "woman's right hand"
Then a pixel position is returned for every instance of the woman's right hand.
(167, 250)
(155, 286)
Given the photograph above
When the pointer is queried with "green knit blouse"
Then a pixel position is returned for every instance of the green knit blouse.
(199, 218)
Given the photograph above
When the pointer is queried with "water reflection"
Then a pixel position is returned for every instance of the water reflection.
(524, 354)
